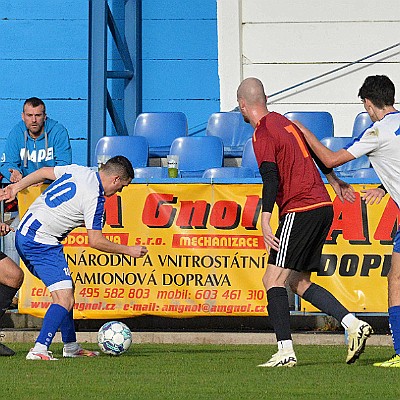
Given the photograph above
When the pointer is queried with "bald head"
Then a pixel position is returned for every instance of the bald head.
(252, 100)
(252, 91)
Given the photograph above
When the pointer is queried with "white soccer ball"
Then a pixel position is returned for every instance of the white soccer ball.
(114, 338)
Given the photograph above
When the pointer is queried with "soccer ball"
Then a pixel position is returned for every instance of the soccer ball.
(114, 338)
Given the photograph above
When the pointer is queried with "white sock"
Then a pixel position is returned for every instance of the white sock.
(39, 347)
(71, 347)
(285, 345)
(348, 320)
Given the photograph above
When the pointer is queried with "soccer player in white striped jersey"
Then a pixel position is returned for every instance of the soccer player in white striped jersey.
(75, 198)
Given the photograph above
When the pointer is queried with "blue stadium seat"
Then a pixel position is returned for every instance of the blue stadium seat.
(160, 129)
(335, 143)
(361, 123)
(320, 123)
(249, 158)
(348, 169)
(351, 167)
(197, 153)
(134, 148)
(367, 173)
(151, 172)
(232, 129)
(228, 172)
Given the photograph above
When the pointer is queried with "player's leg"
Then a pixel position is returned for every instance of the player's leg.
(63, 299)
(11, 277)
(47, 262)
(279, 315)
(274, 281)
(358, 331)
(71, 347)
(319, 297)
(394, 305)
(310, 260)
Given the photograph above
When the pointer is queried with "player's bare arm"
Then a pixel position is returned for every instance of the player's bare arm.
(99, 242)
(9, 192)
(331, 159)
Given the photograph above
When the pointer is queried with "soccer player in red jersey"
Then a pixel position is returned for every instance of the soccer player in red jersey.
(292, 181)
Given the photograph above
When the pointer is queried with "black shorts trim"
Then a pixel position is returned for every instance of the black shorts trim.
(302, 236)
(2, 256)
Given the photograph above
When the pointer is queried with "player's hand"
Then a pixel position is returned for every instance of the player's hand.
(345, 192)
(342, 189)
(8, 193)
(4, 229)
(15, 176)
(270, 240)
(138, 251)
(372, 196)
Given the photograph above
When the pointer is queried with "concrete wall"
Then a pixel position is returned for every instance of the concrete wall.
(287, 42)
(44, 53)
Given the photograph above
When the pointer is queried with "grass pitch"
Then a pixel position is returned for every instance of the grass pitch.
(160, 371)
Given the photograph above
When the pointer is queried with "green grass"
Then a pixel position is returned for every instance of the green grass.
(160, 371)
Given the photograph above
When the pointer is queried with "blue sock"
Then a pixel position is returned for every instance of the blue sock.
(394, 325)
(67, 328)
(51, 322)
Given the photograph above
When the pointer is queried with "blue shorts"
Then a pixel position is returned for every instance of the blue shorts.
(46, 262)
(396, 241)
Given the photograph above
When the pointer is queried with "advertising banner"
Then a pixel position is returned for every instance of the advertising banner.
(207, 257)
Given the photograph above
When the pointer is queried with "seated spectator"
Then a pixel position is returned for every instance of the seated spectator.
(36, 141)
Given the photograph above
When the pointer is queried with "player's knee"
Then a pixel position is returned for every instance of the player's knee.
(64, 298)
(393, 275)
(69, 303)
(19, 277)
(293, 285)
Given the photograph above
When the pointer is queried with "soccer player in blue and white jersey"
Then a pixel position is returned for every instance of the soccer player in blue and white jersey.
(75, 198)
(381, 143)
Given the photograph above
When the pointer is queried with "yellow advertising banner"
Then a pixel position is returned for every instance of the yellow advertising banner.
(207, 257)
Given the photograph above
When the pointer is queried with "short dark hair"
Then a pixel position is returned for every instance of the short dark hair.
(34, 102)
(121, 166)
(379, 89)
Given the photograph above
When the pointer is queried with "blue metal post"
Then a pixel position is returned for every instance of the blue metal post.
(129, 49)
(97, 90)
(133, 87)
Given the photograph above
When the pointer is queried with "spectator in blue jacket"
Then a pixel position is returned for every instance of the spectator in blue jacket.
(35, 142)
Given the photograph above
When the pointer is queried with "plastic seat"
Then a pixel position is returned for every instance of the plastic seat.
(361, 123)
(351, 167)
(160, 129)
(367, 174)
(134, 148)
(232, 129)
(320, 123)
(348, 169)
(335, 143)
(151, 172)
(197, 153)
(249, 158)
(228, 172)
